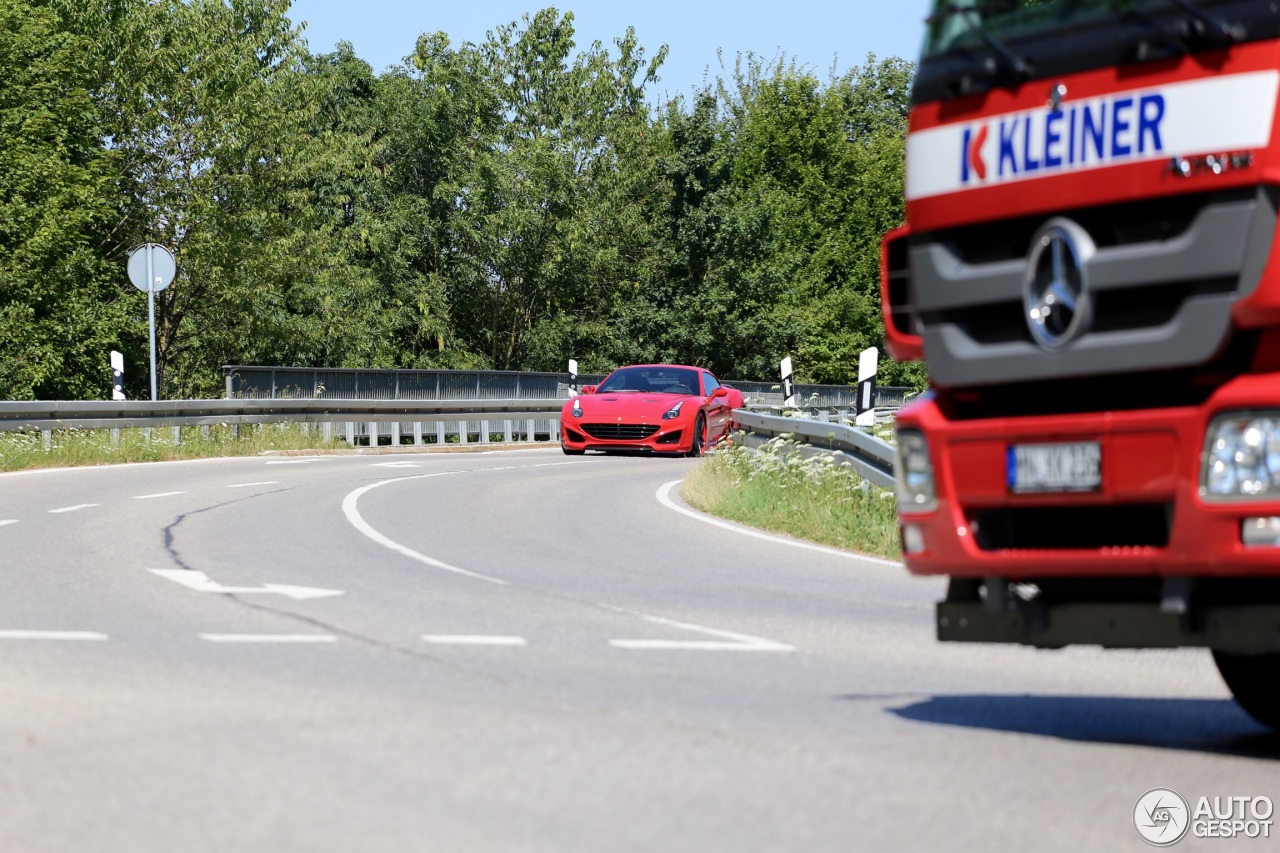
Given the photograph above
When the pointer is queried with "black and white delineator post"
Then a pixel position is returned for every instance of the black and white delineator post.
(117, 375)
(151, 269)
(573, 377)
(868, 360)
(788, 390)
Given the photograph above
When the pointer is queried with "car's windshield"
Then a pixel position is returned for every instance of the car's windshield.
(651, 380)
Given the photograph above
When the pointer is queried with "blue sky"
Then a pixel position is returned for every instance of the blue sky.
(813, 33)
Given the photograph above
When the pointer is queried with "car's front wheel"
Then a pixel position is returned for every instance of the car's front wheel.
(699, 435)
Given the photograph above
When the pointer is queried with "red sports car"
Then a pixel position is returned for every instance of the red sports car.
(662, 408)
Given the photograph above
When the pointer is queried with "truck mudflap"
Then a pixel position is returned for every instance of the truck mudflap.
(1175, 619)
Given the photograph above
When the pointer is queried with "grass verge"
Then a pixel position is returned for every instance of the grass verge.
(20, 450)
(819, 499)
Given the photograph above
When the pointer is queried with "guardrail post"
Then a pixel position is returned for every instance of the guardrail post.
(204, 431)
(146, 435)
(554, 430)
(506, 428)
(326, 431)
(395, 425)
(373, 433)
(351, 433)
(177, 436)
(484, 432)
(115, 436)
(417, 433)
(462, 429)
(46, 439)
(441, 438)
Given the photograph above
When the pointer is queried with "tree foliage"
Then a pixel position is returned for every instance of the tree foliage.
(504, 204)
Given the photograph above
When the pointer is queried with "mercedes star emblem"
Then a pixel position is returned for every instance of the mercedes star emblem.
(1056, 292)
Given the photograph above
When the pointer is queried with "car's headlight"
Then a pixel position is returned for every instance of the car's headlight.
(576, 411)
(916, 491)
(673, 412)
(1242, 458)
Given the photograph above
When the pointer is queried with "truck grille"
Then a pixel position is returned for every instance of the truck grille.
(1162, 277)
(619, 432)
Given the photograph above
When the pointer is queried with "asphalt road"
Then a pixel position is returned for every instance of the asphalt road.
(532, 652)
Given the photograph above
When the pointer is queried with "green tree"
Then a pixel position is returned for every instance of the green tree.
(60, 308)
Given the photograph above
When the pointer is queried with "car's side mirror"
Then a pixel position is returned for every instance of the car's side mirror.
(589, 389)
(720, 392)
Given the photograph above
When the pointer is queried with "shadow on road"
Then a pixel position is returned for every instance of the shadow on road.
(1204, 725)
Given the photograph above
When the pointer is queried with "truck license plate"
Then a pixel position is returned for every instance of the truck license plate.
(1055, 467)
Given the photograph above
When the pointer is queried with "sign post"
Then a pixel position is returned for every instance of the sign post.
(573, 377)
(151, 269)
(868, 362)
(117, 375)
(788, 399)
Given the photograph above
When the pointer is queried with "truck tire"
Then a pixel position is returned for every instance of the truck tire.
(1252, 680)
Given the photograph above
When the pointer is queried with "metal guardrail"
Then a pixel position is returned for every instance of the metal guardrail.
(367, 420)
(869, 456)
(360, 419)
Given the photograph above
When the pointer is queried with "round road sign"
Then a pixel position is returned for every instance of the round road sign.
(163, 267)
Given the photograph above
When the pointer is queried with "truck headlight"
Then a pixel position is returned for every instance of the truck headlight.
(914, 473)
(1242, 458)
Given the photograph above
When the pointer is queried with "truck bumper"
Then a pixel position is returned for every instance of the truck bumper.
(1146, 518)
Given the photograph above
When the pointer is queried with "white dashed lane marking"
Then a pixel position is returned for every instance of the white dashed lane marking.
(269, 638)
(6, 521)
(51, 635)
(293, 461)
(247, 485)
(473, 640)
(73, 508)
(157, 495)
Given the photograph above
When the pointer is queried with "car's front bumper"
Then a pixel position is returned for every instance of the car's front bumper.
(668, 437)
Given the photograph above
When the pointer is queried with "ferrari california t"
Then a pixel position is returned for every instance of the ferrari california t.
(661, 408)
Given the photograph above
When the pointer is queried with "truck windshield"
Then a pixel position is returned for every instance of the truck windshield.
(973, 45)
(962, 23)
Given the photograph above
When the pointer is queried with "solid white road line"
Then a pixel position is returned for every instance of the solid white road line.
(6, 521)
(735, 642)
(350, 510)
(396, 465)
(664, 497)
(269, 638)
(51, 635)
(73, 508)
(246, 485)
(304, 461)
(157, 495)
(473, 640)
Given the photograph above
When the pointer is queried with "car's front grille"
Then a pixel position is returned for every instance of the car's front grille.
(619, 432)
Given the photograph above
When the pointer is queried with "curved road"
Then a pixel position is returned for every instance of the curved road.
(522, 651)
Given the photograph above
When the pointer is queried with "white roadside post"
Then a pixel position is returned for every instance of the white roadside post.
(868, 361)
(788, 393)
(117, 375)
(151, 269)
(573, 377)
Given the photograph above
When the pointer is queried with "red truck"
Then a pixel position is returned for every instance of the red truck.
(1089, 267)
